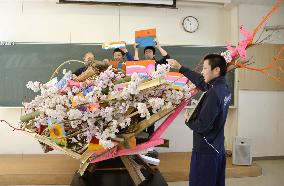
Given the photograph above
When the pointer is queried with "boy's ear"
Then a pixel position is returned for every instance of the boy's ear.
(217, 70)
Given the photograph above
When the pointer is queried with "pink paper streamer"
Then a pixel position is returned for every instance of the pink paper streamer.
(157, 134)
(138, 148)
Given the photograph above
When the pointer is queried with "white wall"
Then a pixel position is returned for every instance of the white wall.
(15, 142)
(261, 118)
(261, 113)
(259, 11)
(46, 21)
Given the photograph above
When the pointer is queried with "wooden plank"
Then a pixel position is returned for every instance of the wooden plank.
(151, 83)
(49, 142)
(155, 117)
(133, 171)
(144, 164)
(37, 169)
(175, 166)
(82, 168)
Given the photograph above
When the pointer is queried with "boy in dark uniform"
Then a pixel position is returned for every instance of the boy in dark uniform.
(208, 160)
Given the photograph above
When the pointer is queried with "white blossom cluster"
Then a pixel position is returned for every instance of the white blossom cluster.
(105, 79)
(187, 90)
(143, 110)
(227, 55)
(156, 104)
(161, 71)
(173, 96)
(34, 86)
(131, 90)
(70, 105)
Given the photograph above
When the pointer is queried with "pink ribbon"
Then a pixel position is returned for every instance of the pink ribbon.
(157, 134)
(242, 45)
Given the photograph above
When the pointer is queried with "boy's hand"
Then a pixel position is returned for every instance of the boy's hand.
(174, 64)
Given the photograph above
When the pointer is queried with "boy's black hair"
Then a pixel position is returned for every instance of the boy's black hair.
(216, 60)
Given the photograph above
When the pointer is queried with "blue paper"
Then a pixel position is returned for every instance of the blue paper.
(145, 41)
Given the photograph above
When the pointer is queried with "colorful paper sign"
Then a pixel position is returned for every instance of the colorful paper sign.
(113, 45)
(176, 79)
(144, 67)
(145, 37)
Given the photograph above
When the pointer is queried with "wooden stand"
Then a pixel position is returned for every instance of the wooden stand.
(123, 171)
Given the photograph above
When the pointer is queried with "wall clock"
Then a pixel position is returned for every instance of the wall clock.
(190, 24)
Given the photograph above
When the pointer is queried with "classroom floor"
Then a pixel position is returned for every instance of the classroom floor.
(273, 175)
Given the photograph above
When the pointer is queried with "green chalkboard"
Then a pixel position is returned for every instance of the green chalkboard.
(25, 62)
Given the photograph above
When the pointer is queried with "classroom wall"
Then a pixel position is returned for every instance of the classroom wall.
(46, 21)
(261, 118)
(260, 114)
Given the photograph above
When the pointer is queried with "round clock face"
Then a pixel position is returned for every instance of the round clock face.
(190, 24)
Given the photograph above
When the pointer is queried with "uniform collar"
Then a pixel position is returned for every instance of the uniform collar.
(217, 80)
